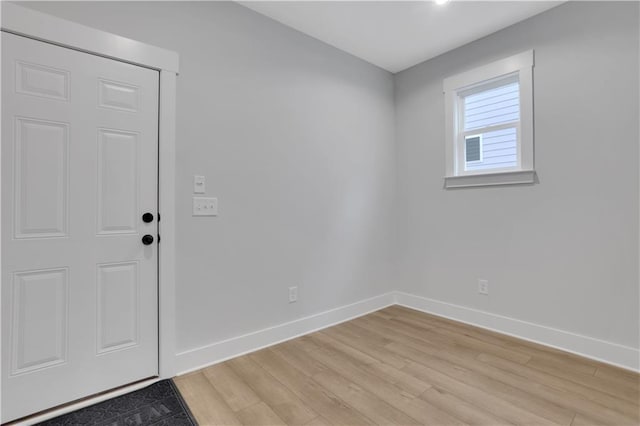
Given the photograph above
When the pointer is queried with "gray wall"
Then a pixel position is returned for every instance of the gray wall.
(296, 141)
(561, 253)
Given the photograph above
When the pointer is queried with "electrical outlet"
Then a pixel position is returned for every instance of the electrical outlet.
(293, 294)
(205, 206)
(483, 287)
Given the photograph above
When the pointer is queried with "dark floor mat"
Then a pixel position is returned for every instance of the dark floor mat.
(159, 404)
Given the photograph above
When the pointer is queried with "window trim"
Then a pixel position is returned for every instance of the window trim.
(460, 84)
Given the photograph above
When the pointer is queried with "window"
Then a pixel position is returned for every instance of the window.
(489, 119)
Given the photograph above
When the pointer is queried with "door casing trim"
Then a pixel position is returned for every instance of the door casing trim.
(41, 26)
(50, 29)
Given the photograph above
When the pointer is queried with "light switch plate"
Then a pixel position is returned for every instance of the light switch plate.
(205, 206)
(198, 185)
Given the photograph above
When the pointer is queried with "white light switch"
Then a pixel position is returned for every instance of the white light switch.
(198, 185)
(205, 206)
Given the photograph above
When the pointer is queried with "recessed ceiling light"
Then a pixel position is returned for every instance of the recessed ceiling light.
(442, 1)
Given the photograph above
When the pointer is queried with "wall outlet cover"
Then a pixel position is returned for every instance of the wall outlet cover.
(293, 294)
(205, 206)
(483, 287)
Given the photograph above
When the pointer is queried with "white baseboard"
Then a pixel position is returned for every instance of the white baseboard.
(589, 347)
(214, 353)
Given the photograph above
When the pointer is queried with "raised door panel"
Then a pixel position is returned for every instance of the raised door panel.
(41, 178)
(117, 181)
(39, 332)
(117, 95)
(43, 81)
(118, 306)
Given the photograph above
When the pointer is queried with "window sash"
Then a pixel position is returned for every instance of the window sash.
(493, 128)
(461, 146)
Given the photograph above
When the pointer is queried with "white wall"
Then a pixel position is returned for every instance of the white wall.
(296, 141)
(562, 253)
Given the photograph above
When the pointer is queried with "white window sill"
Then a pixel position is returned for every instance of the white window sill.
(520, 177)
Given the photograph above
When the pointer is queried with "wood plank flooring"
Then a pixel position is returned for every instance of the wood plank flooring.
(398, 366)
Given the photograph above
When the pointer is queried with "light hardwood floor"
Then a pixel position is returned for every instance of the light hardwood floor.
(400, 366)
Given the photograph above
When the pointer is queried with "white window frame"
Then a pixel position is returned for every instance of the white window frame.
(460, 85)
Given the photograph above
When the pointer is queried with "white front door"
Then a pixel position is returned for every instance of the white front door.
(79, 170)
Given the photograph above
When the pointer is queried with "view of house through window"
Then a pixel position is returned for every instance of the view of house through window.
(489, 126)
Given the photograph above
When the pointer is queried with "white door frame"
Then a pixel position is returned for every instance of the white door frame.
(39, 26)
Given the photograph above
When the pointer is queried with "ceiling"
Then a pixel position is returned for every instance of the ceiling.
(396, 35)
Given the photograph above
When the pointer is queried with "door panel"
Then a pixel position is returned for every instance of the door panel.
(118, 289)
(40, 319)
(117, 187)
(79, 168)
(41, 184)
(119, 96)
(38, 80)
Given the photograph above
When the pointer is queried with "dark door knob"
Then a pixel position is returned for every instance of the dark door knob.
(147, 239)
(147, 217)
